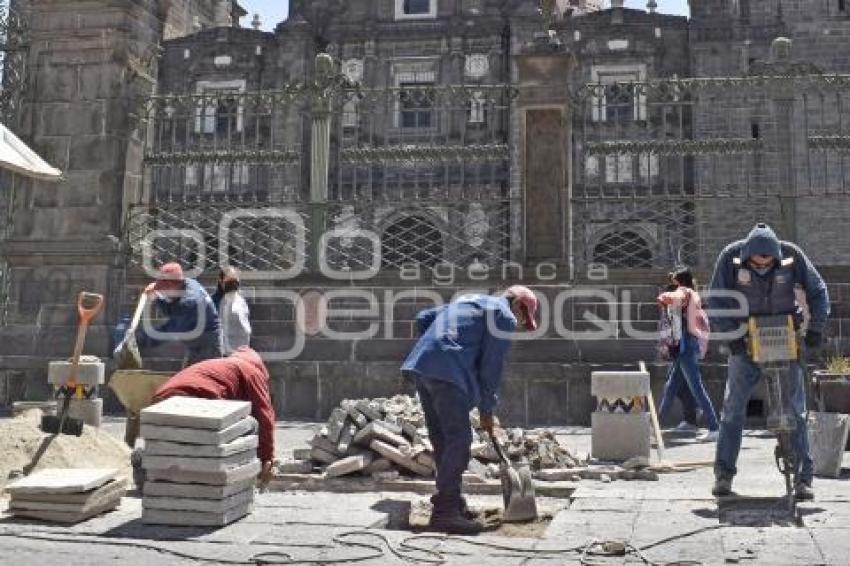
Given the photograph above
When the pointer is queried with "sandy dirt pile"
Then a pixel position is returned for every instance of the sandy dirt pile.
(21, 442)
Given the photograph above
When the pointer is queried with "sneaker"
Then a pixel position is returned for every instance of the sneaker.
(803, 491)
(454, 525)
(722, 487)
(685, 427)
(709, 436)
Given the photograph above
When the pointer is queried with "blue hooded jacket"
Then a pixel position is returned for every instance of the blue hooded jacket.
(458, 346)
(185, 313)
(763, 241)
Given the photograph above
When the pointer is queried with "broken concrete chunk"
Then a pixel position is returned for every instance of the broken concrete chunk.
(323, 456)
(555, 474)
(381, 431)
(369, 410)
(389, 475)
(322, 443)
(378, 465)
(336, 423)
(301, 454)
(469, 477)
(295, 466)
(348, 465)
(393, 454)
(359, 418)
(345, 439)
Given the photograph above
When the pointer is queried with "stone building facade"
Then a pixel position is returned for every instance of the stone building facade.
(458, 132)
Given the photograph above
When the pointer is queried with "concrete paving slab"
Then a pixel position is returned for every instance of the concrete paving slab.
(237, 446)
(81, 503)
(231, 475)
(68, 517)
(199, 505)
(185, 464)
(248, 425)
(187, 518)
(189, 412)
(62, 480)
(194, 490)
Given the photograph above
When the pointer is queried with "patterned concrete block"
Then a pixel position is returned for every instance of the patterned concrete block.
(62, 480)
(245, 426)
(619, 436)
(163, 448)
(88, 373)
(188, 412)
(619, 384)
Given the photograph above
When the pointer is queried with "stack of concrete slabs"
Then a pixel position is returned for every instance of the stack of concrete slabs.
(62, 495)
(200, 462)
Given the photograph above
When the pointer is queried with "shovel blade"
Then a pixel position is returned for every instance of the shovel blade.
(127, 355)
(518, 494)
(51, 424)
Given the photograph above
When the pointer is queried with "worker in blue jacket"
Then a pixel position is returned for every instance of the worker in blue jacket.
(765, 271)
(457, 365)
(191, 316)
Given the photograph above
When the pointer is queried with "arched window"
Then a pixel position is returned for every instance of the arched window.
(411, 240)
(623, 249)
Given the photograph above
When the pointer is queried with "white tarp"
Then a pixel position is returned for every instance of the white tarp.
(18, 157)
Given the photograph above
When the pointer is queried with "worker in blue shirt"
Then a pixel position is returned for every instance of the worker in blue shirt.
(191, 316)
(457, 365)
(765, 271)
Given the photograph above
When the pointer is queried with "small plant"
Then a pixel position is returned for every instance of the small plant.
(838, 365)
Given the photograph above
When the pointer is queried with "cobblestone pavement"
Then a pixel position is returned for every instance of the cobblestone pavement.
(673, 519)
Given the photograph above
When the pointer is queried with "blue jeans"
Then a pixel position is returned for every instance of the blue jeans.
(684, 372)
(447, 418)
(743, 377)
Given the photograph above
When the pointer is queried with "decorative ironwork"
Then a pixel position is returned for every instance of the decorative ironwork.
(14, 52)
(675, 147)
(830, 143)
(425, 153)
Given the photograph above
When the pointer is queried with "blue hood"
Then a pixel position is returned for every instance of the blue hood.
(761, 240)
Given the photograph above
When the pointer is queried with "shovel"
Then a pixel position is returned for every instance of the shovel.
(127, 354)
(88, 305)
(517, 488)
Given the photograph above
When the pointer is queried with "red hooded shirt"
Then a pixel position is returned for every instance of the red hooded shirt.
(240, 377)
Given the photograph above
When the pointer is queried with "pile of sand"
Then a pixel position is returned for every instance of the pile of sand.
(22, 441)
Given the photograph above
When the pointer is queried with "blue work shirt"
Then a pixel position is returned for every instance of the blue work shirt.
(458, 346)
(193, 307)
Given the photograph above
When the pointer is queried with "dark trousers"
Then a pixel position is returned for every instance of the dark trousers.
(447, 417)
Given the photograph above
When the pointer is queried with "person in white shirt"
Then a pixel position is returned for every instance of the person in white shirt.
(232, 310)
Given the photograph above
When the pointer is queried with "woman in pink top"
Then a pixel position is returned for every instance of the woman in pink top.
(684, 367)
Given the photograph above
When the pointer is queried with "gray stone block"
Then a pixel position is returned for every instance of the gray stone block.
(378, 465)
(323, 443)
(369, 410)
(323, 456)
(191, 519)
(345, 439)
(199, 505)
(619, 436)
(196, 491)
(189, 412)
(88, 373)
(348, 465)
(295, 466)
(245, 426)
(336, 423)
(90, 411)
(619, 384)
(301, 453)
(162, 448)
(62, 480)
(189, 464)
(231, 475)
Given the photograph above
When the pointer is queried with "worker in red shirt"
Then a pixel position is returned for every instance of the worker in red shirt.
(242, 376)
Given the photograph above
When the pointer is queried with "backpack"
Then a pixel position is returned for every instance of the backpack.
(669, 333)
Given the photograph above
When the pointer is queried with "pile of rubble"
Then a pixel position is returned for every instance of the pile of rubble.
(385, 438)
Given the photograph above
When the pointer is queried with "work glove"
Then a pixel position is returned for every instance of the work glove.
(813, 339)
(737, 347)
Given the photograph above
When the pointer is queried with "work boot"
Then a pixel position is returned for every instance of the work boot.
(454, 524)
(803, 490)
(722, 486)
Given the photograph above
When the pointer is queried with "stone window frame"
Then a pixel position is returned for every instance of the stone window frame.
(413, 72)
(401, 15)
(208, 87)
(610, 74)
